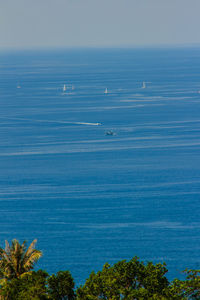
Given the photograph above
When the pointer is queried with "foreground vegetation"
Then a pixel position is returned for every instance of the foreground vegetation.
(128, 280)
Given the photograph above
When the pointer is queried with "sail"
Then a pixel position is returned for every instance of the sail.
(106, 91)
(64, 88)
(143, 85)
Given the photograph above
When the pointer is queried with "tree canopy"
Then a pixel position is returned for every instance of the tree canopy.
(16, 259)
(61, 286)
(125, 280)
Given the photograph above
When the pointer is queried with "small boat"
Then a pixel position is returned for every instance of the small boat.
(143, 85)
(106, 91)
(18, 87)
(110, 132)
(64, 88)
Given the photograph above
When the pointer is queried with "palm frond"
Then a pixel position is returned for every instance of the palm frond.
(31, 247)
(16, 260)
(31, 256)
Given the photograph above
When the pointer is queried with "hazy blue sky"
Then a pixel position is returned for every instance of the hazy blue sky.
(69, 23)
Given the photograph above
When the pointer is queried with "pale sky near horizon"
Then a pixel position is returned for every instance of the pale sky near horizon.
(98, 23)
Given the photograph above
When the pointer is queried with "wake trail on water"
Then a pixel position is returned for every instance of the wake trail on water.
(57, 122)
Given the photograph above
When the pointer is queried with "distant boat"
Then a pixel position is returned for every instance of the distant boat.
(106, 91)
(143, 85)
(64, 88)
(18, 87)
(110, 132)
(73, 88)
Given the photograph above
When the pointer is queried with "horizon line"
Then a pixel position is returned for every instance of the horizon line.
(141, 46)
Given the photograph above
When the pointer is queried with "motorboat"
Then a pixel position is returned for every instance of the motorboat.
(110, 132)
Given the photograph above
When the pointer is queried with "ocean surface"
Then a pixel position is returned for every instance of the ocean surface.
(88, 197)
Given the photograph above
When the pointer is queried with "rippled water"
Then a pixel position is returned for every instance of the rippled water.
(90, 198)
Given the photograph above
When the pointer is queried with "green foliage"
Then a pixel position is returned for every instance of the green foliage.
(31, 286)
(61, 286)
(17, 259)
(189, 288)
(127, 280)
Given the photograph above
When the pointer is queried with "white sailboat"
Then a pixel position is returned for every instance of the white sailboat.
(143, 85)
(64, 88)
(106, 91)
(18, 86)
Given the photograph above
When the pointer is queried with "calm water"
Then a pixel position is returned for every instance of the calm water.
(90, 198)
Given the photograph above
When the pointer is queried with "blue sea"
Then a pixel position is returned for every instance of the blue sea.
(89, 197)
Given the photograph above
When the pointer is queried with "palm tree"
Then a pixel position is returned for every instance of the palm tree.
(17, 260)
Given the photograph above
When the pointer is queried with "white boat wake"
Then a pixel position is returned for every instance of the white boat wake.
(86, 123)
(59, 122)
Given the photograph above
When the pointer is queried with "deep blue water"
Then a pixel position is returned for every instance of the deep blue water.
(90, 198)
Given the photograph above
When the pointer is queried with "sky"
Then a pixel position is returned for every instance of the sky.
(98, 23)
